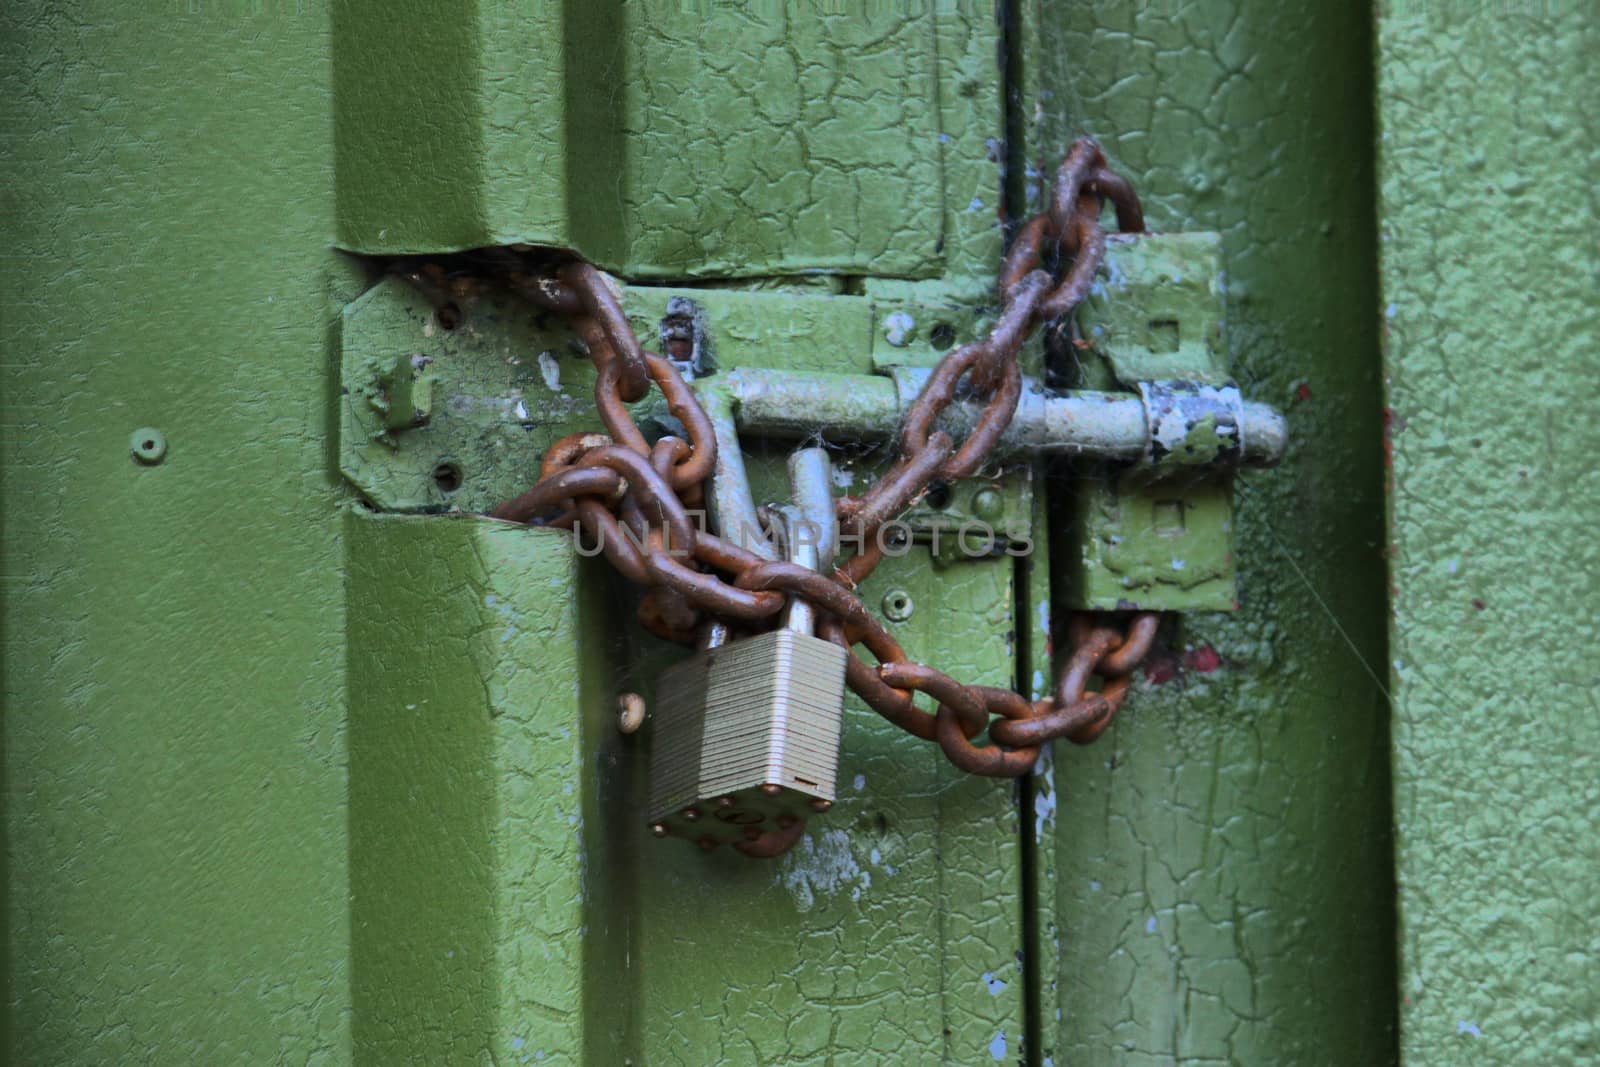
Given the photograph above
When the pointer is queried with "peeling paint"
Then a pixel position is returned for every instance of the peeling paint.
(822, 864)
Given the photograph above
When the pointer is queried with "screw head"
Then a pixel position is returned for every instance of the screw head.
(148, 445)
(897, 605)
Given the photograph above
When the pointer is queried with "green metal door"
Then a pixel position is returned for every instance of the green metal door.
(306, 762)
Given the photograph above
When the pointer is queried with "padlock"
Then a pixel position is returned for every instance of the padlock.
(746, 732)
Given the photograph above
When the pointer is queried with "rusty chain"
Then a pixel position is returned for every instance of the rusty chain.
(633, 498)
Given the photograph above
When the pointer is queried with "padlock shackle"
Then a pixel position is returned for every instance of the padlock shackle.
(810, 536)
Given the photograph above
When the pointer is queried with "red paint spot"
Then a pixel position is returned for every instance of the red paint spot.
(1302, 391)
(1159, 671)
(1203, 659)
(1478, 603)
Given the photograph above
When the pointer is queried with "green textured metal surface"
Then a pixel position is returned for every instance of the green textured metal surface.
(1488, 214)
(1218, 866)
(174, 669)
(488, 915)
(668, 142)
(1154, 314)
(181, 834)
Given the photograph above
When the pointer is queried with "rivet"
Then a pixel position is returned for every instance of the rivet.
(771, 789)
(148, 445)
(726, 802)
(691, 814)
(630, 712)
(821, 805)
(659, 829)
(988, 504)
(897, 605)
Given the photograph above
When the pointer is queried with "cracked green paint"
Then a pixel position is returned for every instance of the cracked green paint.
(487, 910)
(1218, 864)
(666, 142)
(1488, 213)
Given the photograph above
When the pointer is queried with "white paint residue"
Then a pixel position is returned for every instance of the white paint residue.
(1115, 278)
(1150, 925)
(520, 411)
(518, 1042)
(897, 329)
(876, 857)
(507, 613)
(859, 782)
(1466, 1026)
(976, 205)
(997, 1047)
(822, 864)
(1178, 564)
(1389, 311)
(1094, 885)
(551, 369)
(844, 477)
(1044, 618)
(996, 985)
(1044, 794)
(1038, 684)
(1451, 565)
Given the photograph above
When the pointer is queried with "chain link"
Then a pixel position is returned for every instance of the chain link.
(633, 498)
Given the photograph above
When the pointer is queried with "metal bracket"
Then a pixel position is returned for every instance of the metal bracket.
(1159, 536)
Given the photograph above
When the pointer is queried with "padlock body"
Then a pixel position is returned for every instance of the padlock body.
(746, 736)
